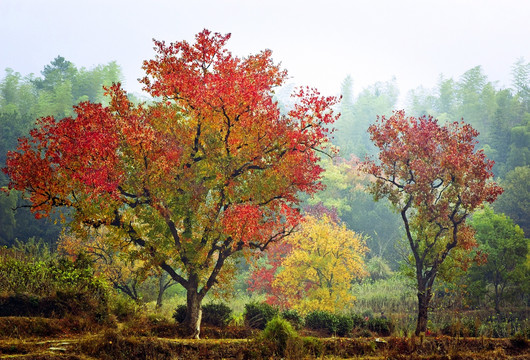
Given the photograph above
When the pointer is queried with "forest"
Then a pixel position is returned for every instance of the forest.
(230, 204)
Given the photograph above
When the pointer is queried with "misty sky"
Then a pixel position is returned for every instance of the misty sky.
(318, 42)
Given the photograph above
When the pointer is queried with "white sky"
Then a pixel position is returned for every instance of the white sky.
(318, 42)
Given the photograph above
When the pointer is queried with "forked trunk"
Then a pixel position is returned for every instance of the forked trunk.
(193, 313)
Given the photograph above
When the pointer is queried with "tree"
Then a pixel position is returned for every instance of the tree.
(7, 220)
(347, 135)
(59, 71)
(434, 178)
(445, 103)
(208, 172)
(521, 79)
(346, 191)
(506, 247)
(112, 261)
(515, 201)
(318, 272)
(109, 259)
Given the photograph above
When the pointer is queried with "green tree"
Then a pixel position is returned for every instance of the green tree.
(346, 135)
(519, 154)
(506, 248)
(515, 201)
(346, 191)
(7, 219)
(521, 80)
(57, 72)
(421, 101)
(378, 99)
(446, 101)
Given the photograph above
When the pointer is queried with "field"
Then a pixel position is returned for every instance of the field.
(71, 338)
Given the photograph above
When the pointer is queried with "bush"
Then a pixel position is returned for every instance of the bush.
(123, 307)
(344, 325)
(380, 326)
(52, 288)
(358, 321)
(180, 313)
(212, 314)
(296, 320)
(216, 314)
(278, 332)
(322, 320)
(257, 315)
(313, 346)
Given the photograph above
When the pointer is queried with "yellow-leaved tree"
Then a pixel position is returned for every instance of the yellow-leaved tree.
(318, 272)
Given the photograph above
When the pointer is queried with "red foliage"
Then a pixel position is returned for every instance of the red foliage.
(208, 169)
(261, 279)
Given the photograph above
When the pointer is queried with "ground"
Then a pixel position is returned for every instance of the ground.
(53, 339)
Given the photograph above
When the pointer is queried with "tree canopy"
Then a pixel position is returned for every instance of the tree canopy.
(209, 170)
(435, 178)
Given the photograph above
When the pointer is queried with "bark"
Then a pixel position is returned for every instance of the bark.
(497, 299)
(193, 310)
(129, 290)
(161, 290)
(424, 297)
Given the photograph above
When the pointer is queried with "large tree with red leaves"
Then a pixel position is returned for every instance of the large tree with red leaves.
(209, 171)
(435, 178)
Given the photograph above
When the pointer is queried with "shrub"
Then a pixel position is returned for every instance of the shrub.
(344, 325)
(180, 313)
(380, 326)
(257, 315)
(52, 288)
(358, 321)
(216, 314)
(296, 320)
(212, 314)
(278, 332)
(313, 346)
(123, 307)
(322, 320)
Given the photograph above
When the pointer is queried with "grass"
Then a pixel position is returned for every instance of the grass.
(113, 344)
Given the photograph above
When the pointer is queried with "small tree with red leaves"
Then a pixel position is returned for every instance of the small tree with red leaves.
(435, 178)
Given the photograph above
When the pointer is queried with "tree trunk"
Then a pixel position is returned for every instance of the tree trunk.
(193, 310)
(161, 290)
(424, 297)
(497, 299)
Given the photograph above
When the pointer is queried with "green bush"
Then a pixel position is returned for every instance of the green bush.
(216, 314)
(123, 307)
(380, 326)
(344, 325)
(57, 286)
(180, 313)
(278, 332)
(212, 314)
(322, 320)
(257, 315)
(358, 321)
(296, 320)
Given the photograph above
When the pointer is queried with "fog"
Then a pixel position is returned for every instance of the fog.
(413, 40)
